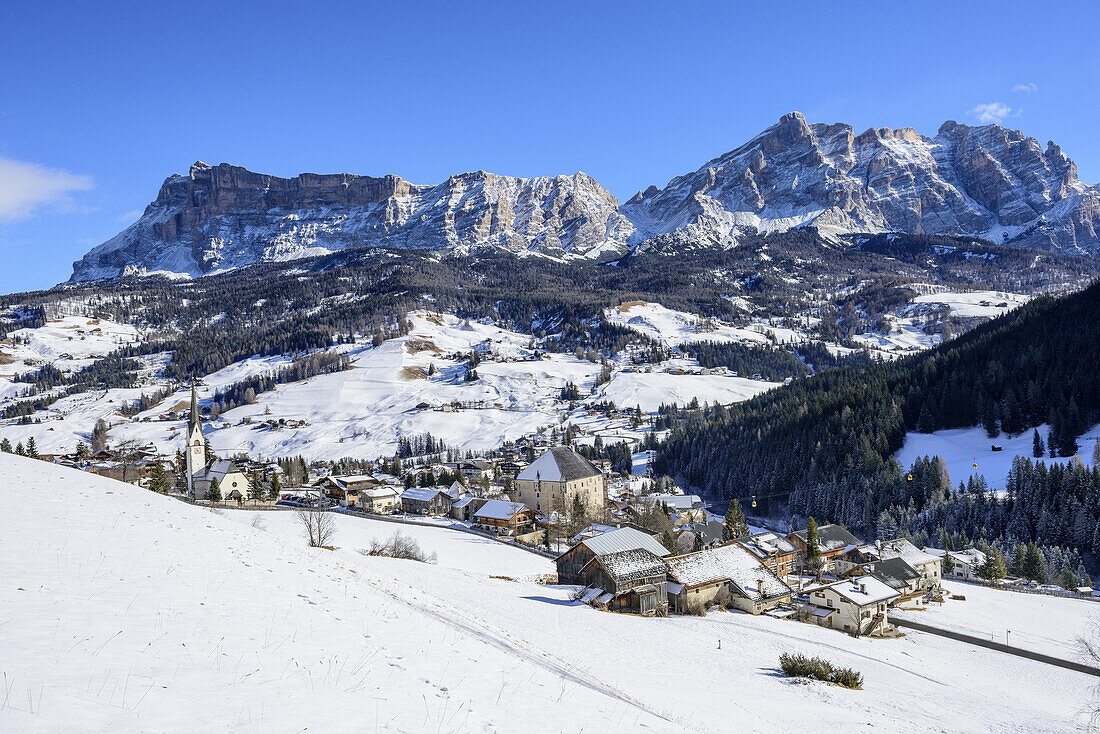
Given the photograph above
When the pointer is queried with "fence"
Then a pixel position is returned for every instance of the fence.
(999, 646)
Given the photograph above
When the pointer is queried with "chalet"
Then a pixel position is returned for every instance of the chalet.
(465, 506)
(832, 540)
(505, 518)
(346, 490)
(675, 502)
(510, 469)
(557, 477)
(928, 565)
(378, 500)
(697, 579)
(857, 606)
(571, 563)
(634, 580)
(965, 563)
(895, 573)
(476, 469)
(425, 501)
(776, 552)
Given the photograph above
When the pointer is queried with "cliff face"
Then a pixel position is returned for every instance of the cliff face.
(985, 181)
(222, 217)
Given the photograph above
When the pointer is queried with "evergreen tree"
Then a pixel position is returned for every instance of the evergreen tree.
(276, 488)
(1067, 580)
(1096, 454)
(5, 446)
(32, 448)
(814, 562)
(1037, 445)
(1018, 558)
(1034, 568)
(668, 542)
(697, 544)
(994, 567)
(256, 489)
(81, 450)
(948, 564)
(158, 479)
(215, 493)
(734, 526)
(19, 449)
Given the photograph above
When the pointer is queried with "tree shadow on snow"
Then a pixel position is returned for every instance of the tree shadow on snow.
(550, 600)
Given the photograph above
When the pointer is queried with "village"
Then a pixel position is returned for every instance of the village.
(626, 541)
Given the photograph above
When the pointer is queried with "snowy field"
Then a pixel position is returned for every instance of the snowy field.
(975, 304)
(652, 389)
(961, 448)
(675, 328)
(125, 611)
(1046, 624)
(69, 344)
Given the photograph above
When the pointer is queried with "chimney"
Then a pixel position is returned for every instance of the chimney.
(862, 588)
(760, 586)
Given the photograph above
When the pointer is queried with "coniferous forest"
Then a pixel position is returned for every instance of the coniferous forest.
(824, 446)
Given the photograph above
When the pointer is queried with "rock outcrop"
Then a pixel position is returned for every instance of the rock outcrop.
(985, 181)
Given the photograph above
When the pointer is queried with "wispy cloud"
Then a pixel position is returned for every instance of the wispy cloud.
(131, 216)
(993, 112)
(26, 188)
(1029, 88)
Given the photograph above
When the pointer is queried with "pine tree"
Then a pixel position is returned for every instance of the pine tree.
(81, 450)
(19, 449)
(948, 564)
(158, 480)
(668, 542)
(32, 448)
(698, 544)
(814, 561)
(1096, 454)
(215, 493)
(1067, 580)
(256, 490)
(734, 526)
(5, 446)
(1018, 558)
(1037, 445)
(994, 567)
(1034, 568)
(276, 488)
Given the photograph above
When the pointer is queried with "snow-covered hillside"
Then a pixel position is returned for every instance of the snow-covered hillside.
(363, 411)
(123, 610)
(962, 448)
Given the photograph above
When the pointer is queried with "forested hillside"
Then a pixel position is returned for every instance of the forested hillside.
(824, 445)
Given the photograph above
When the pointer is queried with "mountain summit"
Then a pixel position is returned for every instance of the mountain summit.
(986, 181)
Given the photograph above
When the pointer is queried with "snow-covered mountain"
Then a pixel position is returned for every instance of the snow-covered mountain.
(985, 181)
(223, 217)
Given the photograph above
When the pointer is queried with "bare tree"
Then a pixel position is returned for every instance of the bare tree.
(1088, 648)
(399, 546)
(318, 525)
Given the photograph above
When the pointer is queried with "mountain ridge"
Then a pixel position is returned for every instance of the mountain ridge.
(988, 182)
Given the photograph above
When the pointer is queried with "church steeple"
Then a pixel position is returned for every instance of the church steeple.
(194, 417)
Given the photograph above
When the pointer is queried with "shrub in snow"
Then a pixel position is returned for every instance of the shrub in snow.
(399, 546)
(801, 666)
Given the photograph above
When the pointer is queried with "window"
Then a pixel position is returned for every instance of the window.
(829, 602)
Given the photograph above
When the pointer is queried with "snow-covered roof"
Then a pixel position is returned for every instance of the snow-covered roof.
(463, 501)
(831, 538)
(379, 492)
(624, 539)
(731, 563)
(861, 591)
(677, 502)
(423, 494)
(763, 545)
(911, 554)
(500, 510)
(895, 572)
(455, 490)
(592, 531)
(559, 464)
(630, 565)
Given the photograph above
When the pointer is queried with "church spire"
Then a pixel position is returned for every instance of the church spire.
(194, 418)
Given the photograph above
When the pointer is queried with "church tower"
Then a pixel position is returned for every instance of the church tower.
(196, 444)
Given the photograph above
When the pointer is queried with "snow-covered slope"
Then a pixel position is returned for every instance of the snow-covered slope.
(123, 610)
(962, 448)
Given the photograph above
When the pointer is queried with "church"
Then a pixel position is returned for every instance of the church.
(232, 483)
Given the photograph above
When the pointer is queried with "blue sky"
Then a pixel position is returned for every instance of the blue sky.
(101, 101)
